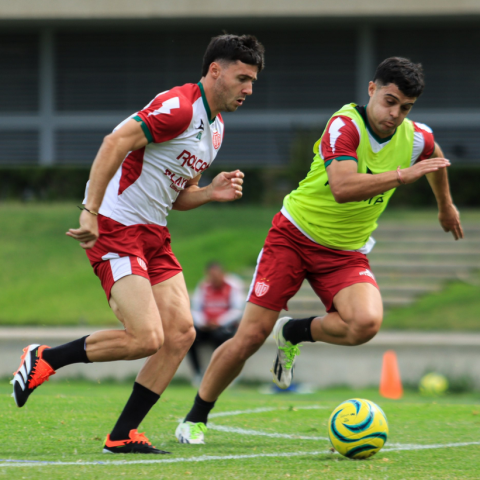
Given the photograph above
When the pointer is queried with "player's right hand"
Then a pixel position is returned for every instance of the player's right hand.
(87, 234)
(413, 173)
(226, 186)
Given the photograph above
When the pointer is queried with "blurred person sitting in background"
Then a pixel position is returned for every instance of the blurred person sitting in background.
(217, 306)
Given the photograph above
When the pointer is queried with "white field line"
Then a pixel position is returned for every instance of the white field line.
(394, 447)
(241, 412)
(399, 447)
(263, 409)
(204, 458)
(242, 431)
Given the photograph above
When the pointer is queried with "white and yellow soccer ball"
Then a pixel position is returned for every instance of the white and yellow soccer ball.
(433, 384)
(358, 428)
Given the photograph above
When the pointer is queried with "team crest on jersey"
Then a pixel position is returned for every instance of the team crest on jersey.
(142, 263)
(261, 288)
(217, 140)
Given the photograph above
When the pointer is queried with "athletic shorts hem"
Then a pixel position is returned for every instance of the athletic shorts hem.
(107, 287)
(259, 303)
(141, 249)
(343, 287)
(167, 276)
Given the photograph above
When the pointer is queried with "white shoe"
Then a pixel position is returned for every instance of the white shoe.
(189, 432)
(286, 352)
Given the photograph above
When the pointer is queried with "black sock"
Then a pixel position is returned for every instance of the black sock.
(199, 411)
(66, 354)
(296, 331)
(139, 404)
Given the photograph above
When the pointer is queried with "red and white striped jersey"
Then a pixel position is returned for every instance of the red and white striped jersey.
(183, 142)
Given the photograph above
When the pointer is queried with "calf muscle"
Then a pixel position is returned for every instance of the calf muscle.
(228, 359)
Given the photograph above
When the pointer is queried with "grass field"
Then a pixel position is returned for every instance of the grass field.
(456, 307)
(46, 278)
(255, 437)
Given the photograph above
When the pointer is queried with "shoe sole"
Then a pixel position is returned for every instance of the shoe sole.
(106, 450)
(189, 442)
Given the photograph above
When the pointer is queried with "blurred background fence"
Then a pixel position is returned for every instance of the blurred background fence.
(69, 73)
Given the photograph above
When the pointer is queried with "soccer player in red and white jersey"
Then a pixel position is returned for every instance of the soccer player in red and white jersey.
(151, 163)
(323, 233)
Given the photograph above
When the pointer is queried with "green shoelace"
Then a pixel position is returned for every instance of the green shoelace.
(197, 428)
(290, 352)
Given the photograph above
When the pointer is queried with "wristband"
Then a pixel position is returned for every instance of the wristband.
(399, 176)
(87, 210)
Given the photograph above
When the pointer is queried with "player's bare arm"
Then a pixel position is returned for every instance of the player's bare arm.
(347, 185)
(112, 152)
(447, 212)
(225, 187)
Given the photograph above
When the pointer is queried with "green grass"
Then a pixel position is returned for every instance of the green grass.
(67, 422)
(456, 307)
(46, 278)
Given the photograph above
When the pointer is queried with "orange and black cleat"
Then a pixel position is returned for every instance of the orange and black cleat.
(31, 373)
(136, 443)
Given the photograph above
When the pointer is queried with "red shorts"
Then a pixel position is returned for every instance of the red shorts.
(288, 257)
(132, 250)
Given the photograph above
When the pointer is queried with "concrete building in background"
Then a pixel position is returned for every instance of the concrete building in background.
(71, 70)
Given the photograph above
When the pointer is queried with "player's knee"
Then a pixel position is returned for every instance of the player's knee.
(365, 326)
(181, 339)
(150, 343)
(250, 343)
(186, 337)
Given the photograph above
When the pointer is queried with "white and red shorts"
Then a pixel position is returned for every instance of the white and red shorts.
(288, 257)
(132, 250)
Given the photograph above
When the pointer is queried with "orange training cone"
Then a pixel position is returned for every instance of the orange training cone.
(390, 382)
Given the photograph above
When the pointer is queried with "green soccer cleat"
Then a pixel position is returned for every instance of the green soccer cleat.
(283, 365)
(189, 432)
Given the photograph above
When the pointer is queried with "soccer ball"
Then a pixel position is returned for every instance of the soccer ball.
(433, 384)
(358, 428)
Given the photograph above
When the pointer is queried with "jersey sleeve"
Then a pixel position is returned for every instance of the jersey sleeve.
(423, 142)
(166, 117)
(340, 141)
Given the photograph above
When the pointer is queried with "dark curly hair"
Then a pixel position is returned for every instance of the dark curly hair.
(231, 48)
(406, 75)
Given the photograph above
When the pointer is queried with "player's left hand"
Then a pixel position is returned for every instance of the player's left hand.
(450, 221)
(87, 233)
(227, 186)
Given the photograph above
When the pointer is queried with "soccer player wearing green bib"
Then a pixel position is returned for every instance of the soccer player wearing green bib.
(323, 234)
